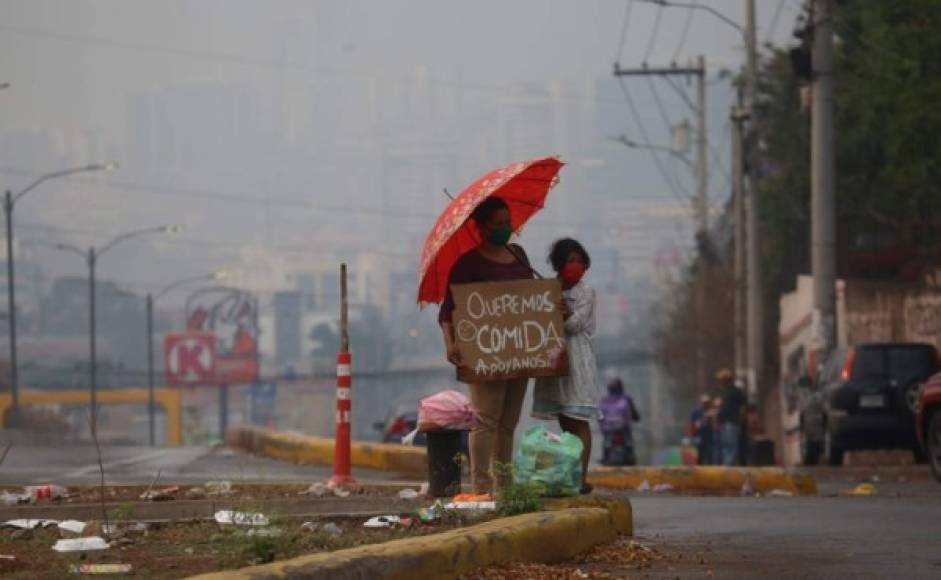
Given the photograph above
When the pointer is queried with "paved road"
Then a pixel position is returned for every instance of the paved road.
(75, 465)
(895, 534)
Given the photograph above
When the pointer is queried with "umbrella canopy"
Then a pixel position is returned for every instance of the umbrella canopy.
(523, 186)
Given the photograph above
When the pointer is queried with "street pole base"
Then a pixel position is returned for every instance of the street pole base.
(339, 481)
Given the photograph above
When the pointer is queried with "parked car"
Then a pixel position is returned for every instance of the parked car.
(400, 421)
(865, 398)
(928, 423)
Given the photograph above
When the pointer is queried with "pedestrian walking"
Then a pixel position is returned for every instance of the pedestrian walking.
(497, 404)
(731, 417)
(572, 399)
(618, 413)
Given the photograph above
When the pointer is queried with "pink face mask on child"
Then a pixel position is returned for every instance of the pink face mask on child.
(572, 272)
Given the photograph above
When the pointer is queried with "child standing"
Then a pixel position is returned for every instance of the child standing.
(573, 399)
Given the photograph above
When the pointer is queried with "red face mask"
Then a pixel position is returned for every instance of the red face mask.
(572, 272)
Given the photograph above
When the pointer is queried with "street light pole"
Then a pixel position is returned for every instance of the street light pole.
(11, 312)
(9, 200)
(151, 381)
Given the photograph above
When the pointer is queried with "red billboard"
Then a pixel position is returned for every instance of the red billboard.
(189, 358)
(231, 316)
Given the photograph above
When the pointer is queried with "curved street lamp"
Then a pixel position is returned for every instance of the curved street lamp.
(151, 298)
(91, 257)
(9, 200)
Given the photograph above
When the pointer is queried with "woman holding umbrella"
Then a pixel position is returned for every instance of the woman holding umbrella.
(469, 243)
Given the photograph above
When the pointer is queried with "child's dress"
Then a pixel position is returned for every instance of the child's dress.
(576, 395)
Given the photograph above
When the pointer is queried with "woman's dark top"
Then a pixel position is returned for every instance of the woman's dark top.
(473, 267)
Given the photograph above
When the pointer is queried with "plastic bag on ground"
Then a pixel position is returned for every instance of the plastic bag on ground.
(551, 461)
(381, 522)
(241, 518)
(445, 410)
(81, 544)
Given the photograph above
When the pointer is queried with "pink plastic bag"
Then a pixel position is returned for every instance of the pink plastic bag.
(445, 410)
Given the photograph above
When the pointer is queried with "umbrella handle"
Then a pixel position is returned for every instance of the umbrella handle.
(524, 262)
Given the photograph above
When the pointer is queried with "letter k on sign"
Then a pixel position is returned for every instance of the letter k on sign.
(190, 358)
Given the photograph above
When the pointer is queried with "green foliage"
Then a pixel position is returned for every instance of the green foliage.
(516, 498)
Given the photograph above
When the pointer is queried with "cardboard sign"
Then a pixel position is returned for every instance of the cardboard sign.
(508, 330)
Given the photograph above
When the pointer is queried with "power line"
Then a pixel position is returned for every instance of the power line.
(689, 19)
(624, 25)
(654, 34)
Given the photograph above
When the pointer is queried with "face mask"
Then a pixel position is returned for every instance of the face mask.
(572, 272)
(499, 236)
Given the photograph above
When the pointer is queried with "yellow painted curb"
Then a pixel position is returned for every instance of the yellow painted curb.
(706, 479)
(551, 536)
(409, 461)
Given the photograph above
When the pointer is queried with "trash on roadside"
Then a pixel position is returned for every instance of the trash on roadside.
(332, 529)
(551, 460)
(863, 489)
(101, 568)
(463, 497)
(428, 515)
(241, 518)
(310, 526)
(223, 487)
(381, 522)
(7, 563)
(644, 486)
(195, 493)
(73, 526)
(81, 544)
(340, 492)
(780, 493)
(406, 522)
(266, 532)
(747, 488)
(317, 489)
(423, 490)
(471, 505)
(408, 494)
(663, 488)
(45, 492)
(164, 494)
(7, 498)
(29, 524)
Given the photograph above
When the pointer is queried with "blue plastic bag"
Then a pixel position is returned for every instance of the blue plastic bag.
(552, 462)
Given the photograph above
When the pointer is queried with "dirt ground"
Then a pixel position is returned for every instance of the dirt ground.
(179, 549)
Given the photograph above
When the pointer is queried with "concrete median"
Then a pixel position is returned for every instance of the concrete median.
(551, 536)
(410, 462)
(705, 479)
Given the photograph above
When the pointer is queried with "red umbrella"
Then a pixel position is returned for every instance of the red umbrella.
(523, 186)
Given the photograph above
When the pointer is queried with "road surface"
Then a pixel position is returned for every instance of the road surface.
(77, 465)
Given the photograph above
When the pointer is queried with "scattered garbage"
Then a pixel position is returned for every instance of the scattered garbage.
(310, 526)
(29, 524)
(164, 494)
(266, 532)
(423, 490)
(663, 488)
(81, 544)
(471, 505)
(73, 526)
(863, 489)
(408, 494)
(747, 488)
(8, 498)
(101, 568)
(45, 492)
(7, 563)
(241, 518)
(428, 515)
(780, 493)
(381, 522)
(644, 486)
(223, 487)
(463, 497)
(340, 492)
(332, 529)
(196, 493)
(317, 489)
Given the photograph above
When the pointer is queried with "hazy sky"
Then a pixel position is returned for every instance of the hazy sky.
(296, 104)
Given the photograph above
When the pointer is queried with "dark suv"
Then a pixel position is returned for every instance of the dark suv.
(865, 398)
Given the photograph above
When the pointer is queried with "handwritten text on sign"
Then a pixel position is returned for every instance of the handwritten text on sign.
(509, 330)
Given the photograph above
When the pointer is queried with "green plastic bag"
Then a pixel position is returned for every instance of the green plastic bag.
(551, 462)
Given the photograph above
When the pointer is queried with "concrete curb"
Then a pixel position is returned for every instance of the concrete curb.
(706, 479)
(551, 536)
(409, 461)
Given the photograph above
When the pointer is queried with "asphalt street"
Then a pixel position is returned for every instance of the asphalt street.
(77, 465)
(894, 534)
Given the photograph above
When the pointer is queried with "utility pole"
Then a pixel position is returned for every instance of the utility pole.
(823, 203)
(755, 307)
(701, 202)
(738, 202)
